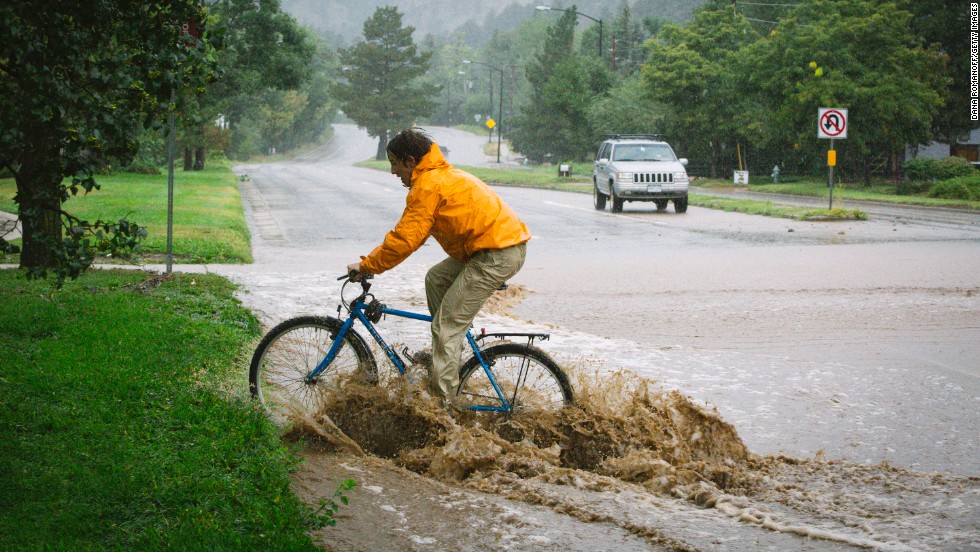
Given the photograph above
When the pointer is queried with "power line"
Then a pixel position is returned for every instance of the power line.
(761, 20)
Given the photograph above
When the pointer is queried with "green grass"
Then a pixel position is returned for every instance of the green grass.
(126, 423)
(768, 209)
(209, 220)
(884, 193)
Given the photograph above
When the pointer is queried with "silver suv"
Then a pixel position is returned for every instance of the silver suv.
(638, 167)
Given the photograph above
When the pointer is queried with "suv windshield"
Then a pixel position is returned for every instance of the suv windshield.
(643, 152)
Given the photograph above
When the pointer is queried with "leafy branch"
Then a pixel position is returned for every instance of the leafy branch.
(323, 516)
(83, 241)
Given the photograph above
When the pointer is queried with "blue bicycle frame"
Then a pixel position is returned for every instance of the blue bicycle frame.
(357, 313)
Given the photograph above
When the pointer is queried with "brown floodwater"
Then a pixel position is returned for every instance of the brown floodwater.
(627, 440)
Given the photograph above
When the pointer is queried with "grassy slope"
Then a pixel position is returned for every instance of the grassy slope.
(125, 421)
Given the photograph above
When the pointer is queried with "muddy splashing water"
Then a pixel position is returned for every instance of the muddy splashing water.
(620, 428)
(629, 442)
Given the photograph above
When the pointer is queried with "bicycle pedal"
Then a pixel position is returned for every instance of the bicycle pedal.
(423, 358)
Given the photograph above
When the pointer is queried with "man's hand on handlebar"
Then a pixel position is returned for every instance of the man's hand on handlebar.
(354, 273)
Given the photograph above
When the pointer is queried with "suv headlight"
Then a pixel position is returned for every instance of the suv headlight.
(624, 176)
(680, 175)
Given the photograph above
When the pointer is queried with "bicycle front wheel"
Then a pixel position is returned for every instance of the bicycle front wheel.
(527, 377)
(284, 359)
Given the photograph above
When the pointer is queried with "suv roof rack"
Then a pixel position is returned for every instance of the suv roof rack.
(635, 136)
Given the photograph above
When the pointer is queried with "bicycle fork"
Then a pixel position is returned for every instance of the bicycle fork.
(338, 342)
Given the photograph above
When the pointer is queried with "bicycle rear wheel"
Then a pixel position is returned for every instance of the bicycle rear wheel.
(528, 378)
(292, 350)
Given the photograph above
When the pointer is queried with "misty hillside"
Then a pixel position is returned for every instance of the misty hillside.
(342, 21)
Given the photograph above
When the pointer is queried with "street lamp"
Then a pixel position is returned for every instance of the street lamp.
(599, 21)
(500, 112)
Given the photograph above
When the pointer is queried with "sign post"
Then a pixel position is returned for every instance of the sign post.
(171, 144)
(831, 124)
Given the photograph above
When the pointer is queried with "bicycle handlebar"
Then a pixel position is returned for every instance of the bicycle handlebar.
(353, 273)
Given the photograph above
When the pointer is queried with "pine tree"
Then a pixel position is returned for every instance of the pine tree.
(381, 92)
(555, 125)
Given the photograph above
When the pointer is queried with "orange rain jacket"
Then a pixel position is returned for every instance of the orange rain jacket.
(461, 212)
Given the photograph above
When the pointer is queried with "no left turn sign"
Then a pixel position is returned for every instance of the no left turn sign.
(832, 122)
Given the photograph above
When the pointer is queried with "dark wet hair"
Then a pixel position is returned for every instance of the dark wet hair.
(412, 142)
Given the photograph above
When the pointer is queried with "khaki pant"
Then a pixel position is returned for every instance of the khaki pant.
(455, 292)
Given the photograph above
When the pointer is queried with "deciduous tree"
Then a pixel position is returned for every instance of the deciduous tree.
(691, 70)
(78, 81)
(855, 54)
(263, 54)
(554, 125)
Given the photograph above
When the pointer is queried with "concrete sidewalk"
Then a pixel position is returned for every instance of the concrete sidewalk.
(8, 223)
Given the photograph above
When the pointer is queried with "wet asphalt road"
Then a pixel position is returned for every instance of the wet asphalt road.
(858, 339)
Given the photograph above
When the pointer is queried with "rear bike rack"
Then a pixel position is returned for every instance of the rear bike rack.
(531, 336)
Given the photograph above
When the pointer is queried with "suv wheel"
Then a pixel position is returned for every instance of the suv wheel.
(598, 198)
(661, 204)
(680, 205)
(617, 204)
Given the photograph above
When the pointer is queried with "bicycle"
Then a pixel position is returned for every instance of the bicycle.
(303, 359)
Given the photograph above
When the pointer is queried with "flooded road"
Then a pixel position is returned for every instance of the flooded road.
(842, 356)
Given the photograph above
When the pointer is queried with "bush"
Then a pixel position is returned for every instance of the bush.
(923, 169)
(921, 173)
(965, 187)
(953, 167)
(920, 169)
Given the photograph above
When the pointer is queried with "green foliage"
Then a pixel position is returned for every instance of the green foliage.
(768, 209)
(210, 224)
(919, 169)
(921, 172)
(448, 71)
(273, 91)
(908, 186)
(382, 91)
(84, 241)
(627, 109)
(692, 72)
(555, 124)
(953, 167)
(8, 248)
(323, 516)
(964, 187)
(630, 36)
(941, 23)
(855, 54)
(126, 424)
(79, 81)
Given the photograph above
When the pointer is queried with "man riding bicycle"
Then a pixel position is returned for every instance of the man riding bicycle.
(484, 238)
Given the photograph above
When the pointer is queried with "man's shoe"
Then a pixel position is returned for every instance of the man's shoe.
(421, 358)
